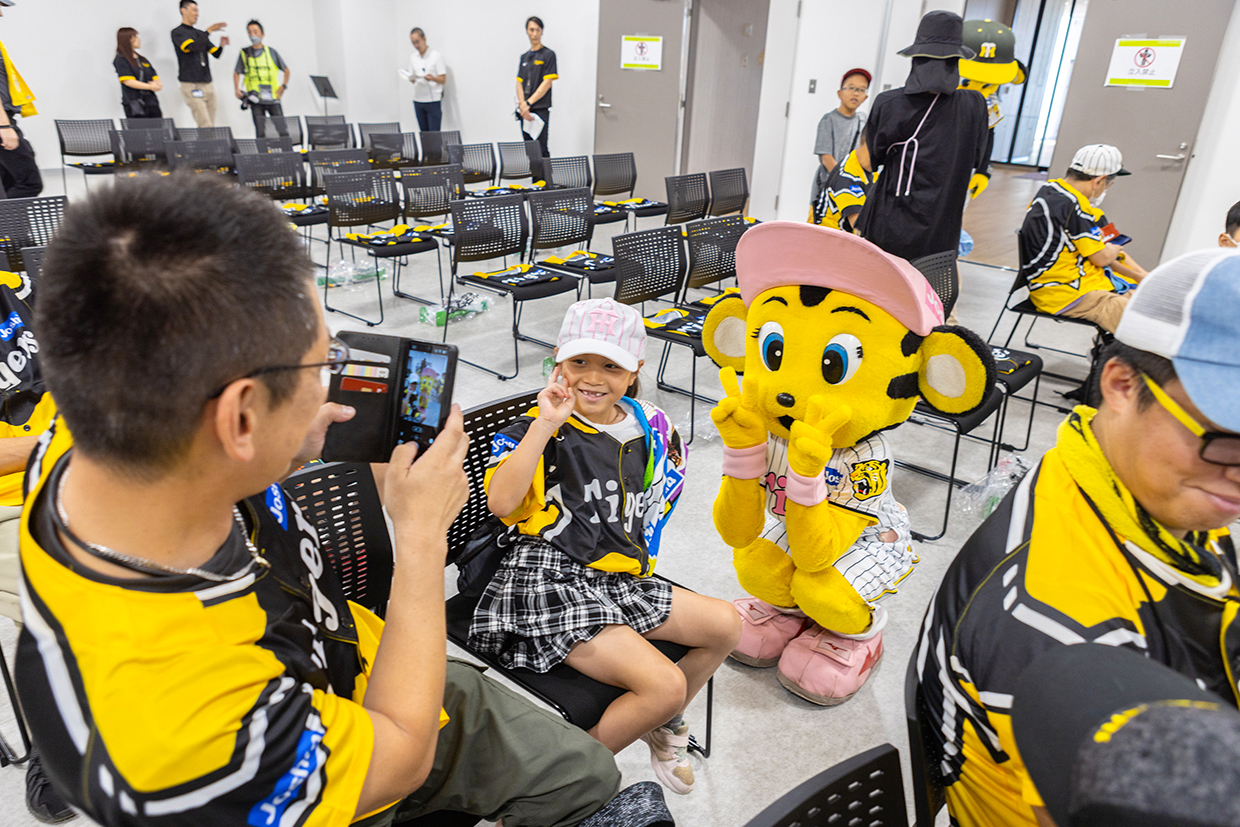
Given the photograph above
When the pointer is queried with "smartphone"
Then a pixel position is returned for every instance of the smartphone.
(426, 392)
(401, 390)
(1119, 239)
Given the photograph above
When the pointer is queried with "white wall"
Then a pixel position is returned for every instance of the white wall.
(481, 41)
(1212, 180)
(64, 50)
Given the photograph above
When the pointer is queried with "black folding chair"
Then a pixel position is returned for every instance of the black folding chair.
(207, 133)
(652, 265)
(32, 257)
(163, 125)
(200, 156)
(140, 149)
(365, 130)
(342, 503)
(28, 222)
(729, 191)
(616, 174)
(281, 176)
(393, 150)
(257, 146)
(565, 218)
(329, 135)
(435, 146)
(326, 161)
(514, 162)
(491, 228)
(321, 120)
(289, 125)
(86, 139)
(687, 198)
(477, 161)
(928, 796)
(572, 172)
(867, 789)
(581, 700)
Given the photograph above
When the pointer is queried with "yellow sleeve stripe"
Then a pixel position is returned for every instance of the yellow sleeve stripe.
(520, 79)
(550, 77)
(185, 46)
(124, 78)
(154, 77)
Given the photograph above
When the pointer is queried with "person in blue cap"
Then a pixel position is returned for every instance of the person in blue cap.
(1118, 536)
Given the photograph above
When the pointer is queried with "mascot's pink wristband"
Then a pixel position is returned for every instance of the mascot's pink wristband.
(806, 491)
(745, 463)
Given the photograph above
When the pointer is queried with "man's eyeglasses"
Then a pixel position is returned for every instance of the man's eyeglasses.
(337, 358)
(1217, 447)
(856, 89)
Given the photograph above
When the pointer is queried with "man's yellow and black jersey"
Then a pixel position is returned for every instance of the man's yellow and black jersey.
(1045, 571)
(843, 195)
(533, 68)
(1061, 230)
(178, 701)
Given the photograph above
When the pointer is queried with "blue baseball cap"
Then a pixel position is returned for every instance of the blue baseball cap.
(1188, 310)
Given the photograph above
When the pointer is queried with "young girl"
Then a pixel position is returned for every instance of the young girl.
(589, 478)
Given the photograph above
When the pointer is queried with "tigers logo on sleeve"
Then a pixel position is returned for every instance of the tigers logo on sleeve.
(869, 478)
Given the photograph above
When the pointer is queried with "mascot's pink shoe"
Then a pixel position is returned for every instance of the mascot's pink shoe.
(828, 668)
(765, 631)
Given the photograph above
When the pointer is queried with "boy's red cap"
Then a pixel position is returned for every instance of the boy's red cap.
(861, 72)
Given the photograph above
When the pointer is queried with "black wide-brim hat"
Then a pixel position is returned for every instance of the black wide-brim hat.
(940, 34)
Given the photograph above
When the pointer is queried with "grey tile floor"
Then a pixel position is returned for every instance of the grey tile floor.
(766, 740)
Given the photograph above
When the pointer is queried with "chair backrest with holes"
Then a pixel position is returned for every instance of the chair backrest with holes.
(279, 175)
(32, 257)
(326, 161)
(477, 161)
(256, 146)
(940, 269)
(365, 130)
(357, 198)
(649, 264)
(28, 222)
(615, 174)
(164, 125)
(393, 150)
(687, 197)
(514, 163)
(85, 137)
(340, 500)
(866, 789)
(712, 249)
(572, 171)
(329, 135)
(729, 190)
(435, 146)
(561, 218)
(430, 191)
(487, 228)
(482, 423)
(209, 155)
(322, 119)
(289, 125)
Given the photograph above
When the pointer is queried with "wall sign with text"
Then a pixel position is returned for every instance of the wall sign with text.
(1145, 62)
(641, 52)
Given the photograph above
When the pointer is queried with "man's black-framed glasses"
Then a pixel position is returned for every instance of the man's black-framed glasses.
(1217, 447)
(337, 358)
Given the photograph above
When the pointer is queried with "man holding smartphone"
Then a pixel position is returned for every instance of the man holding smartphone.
(188, 655)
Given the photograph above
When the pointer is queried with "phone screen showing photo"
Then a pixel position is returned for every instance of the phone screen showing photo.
(427, 392)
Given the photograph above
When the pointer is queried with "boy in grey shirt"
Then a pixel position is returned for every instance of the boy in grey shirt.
(840, 130)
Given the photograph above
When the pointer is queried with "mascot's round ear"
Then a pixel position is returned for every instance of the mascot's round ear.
(957, 370)
(723, 333)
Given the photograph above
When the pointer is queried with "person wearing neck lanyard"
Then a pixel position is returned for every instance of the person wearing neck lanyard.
(257, 67)
(535, 73)
(1118, 536)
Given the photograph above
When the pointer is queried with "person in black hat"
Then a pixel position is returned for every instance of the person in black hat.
(929, 137)
(1113, 738)
(994, 66)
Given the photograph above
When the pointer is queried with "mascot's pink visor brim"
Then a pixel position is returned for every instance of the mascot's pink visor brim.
(781, 253)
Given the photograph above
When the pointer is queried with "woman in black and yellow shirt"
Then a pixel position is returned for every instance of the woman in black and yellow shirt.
(139, 81)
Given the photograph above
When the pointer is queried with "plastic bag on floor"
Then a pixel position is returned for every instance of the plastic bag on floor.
(464, 306)
(966, 244)
(342, 273)
(979, 499)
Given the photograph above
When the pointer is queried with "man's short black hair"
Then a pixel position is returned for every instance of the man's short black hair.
(155, 293)
(185, 3)
(256, 23)
(1158, 368)
(417, 30)
(1077, 175)
(532, 19)
(1233, 218)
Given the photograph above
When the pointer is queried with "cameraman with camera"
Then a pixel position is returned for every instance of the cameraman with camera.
(259, 65)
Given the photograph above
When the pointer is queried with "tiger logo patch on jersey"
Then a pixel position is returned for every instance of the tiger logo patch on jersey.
(869, 478)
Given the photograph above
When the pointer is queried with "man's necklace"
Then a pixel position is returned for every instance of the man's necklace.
(151, 567)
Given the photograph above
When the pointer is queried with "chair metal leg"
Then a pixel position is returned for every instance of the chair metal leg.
(397, 267)
(516, 355)
(378, 291)
(7, 754)
(517, 335)
(694, 746)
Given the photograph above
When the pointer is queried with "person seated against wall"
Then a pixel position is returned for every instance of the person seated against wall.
(188, 655)
(1071, 270)
(1230, 237)
(1118, 536)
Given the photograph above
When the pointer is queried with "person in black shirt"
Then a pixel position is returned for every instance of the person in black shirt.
(929, 136)
(192, 47)
(19, 172)
(535, 72)
(139, 80)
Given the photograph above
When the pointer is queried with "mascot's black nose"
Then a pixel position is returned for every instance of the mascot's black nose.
(786, 399)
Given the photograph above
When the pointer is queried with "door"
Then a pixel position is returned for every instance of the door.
(1153, 128)
(638, 110)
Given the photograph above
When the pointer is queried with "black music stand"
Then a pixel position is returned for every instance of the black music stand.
(324, 87)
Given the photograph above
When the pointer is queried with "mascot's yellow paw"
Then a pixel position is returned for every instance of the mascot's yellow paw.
(831, 600)
(765, 571)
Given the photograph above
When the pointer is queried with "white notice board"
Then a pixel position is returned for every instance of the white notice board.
(641, 52)
(1144, 62)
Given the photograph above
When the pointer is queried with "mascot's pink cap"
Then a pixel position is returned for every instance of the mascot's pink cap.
(780, 253)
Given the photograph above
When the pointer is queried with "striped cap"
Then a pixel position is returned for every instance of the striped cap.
(603, 327)
(1098, 159)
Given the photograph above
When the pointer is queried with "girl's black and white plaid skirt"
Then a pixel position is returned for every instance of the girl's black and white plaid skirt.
(541, 603)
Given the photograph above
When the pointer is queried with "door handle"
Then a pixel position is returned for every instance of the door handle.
(602, 105)
(1179, 157)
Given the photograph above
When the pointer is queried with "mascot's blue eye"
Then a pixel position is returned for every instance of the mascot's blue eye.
(841, 358)
(771, 345)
